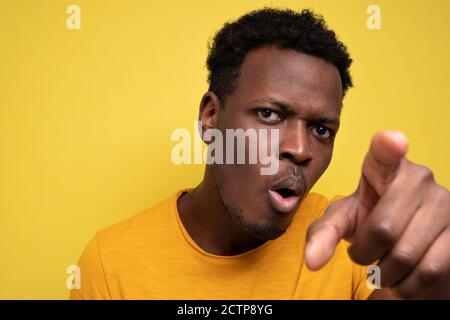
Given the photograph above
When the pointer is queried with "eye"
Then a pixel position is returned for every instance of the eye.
(268, 115)
(323, 132)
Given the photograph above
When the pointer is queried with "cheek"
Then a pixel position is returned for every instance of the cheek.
(320, 165)
(239, 182)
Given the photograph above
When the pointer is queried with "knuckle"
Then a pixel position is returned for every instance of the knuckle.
(440, 197)
(403, 257)
(384, 232)
(424, 173)
(443, 195)
(430, 273)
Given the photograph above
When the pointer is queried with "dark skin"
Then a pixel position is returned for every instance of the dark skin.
(267, 77)
(385, 219)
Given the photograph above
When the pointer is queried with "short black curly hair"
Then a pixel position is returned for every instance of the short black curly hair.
(303, 31)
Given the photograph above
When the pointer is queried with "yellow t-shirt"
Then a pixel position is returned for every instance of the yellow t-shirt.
(151, 256)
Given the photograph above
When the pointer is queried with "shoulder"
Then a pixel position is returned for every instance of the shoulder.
(118, 248)
(135, 237)
(144, 226)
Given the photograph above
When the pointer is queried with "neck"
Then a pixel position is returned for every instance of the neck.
(209, 224)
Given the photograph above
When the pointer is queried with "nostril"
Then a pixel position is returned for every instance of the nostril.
(286, 155)
(289, 156)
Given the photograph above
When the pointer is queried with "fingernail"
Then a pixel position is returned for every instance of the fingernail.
(399, 136)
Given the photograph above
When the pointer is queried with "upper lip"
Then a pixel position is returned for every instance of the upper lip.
(290, 182)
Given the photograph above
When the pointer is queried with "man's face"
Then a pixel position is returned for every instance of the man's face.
(299, 95)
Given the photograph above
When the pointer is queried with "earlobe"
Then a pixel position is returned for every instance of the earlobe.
(209, 112)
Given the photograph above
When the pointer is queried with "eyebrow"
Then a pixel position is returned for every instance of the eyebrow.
(289, 110)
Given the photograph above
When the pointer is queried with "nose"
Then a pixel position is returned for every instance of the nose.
(295, 143)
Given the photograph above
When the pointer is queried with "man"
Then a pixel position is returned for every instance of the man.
(244, 235)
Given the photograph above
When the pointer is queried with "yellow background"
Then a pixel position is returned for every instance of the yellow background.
(86, 115)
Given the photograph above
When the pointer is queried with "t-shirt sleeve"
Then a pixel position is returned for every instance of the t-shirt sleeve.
(93, 284)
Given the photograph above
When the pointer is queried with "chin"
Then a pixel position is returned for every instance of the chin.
(267, 229)
(267, 232)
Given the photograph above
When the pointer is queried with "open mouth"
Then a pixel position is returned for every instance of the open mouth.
(284, 200)
(285, 192)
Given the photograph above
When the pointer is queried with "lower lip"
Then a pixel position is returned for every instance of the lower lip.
(284, 205)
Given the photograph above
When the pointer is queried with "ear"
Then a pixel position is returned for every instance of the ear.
(209, 112)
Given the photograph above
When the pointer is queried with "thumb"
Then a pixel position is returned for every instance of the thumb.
(338, 222)
(383, 159)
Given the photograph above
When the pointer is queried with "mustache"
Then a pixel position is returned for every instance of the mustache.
(293, 175)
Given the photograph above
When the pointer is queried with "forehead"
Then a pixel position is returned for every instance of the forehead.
(304, 82)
